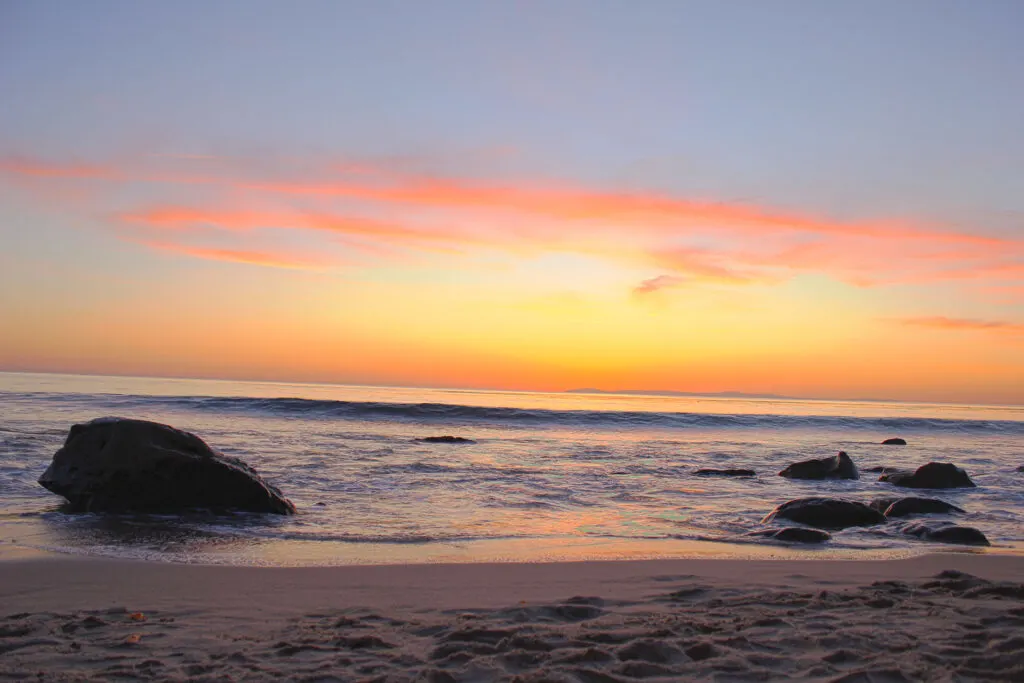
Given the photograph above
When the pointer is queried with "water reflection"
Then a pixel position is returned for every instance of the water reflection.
(184, 535)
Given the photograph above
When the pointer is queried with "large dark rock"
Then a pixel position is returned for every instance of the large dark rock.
(895, 441)
(934, 475)
(793, 534)
(120, 465)
(947, 533)
(826, 513)
(446, 439)
(904, 507)
(708, 472)
(839, 466)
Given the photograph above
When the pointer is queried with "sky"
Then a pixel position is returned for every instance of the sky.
(806, 198)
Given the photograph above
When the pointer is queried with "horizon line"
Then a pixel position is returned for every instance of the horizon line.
(665, 393)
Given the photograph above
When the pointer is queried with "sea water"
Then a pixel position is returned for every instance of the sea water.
(549, 476)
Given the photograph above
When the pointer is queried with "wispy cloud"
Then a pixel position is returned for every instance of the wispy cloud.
(657, 283)
(250, 257)
(380, 207)
(37, 169)
(968, 324)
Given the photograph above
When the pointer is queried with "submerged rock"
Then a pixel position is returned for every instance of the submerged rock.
(884, 469)
(826, 513)
(934, 475)
(1021, 468)
(793, 534)
(446, 439)
(904, 507)
(947, 533)
(895, 441)
(122, 465)
(839, 466)
(708, 472)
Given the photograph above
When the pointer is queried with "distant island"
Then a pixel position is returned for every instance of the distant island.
(716, 394)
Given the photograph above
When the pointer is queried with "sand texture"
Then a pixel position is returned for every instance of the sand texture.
(923, 619)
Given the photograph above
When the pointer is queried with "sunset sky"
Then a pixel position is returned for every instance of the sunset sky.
(820, 199)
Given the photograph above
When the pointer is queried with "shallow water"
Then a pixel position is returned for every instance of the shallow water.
(551, 476)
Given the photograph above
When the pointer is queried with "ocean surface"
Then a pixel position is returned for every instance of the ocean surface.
(551, 476)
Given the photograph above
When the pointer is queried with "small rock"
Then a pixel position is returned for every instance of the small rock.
(934, 475)
(882, 469)
(725, 473)
(895, 441)
(917, 506)
(826, 513)
(839, 466)
(446, 439)
(947, 533)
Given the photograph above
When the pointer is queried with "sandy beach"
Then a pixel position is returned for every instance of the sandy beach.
(936, 617)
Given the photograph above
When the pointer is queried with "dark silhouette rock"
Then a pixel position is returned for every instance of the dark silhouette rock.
(725, 473)
(934, 475)
(793, 534)
(895, 441)
(121, 465)
(905, 507)
(446, 439)
(1021, 468)
(826, 513)
(839, 466)
(882, 504)
(947, 533)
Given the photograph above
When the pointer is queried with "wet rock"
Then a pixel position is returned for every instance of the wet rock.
(793, 534)
(122, 465)
(905, 507)
(1021, 468)
(839, 466)
(934, 475)
(882, 504)
(708, 472)
(895, 441)
(826, 513)
(446, 439)
(947, 533)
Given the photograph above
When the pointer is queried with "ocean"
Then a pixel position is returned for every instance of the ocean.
(551, 476)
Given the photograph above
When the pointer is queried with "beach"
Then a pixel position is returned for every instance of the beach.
(557, 538)
(934, 617)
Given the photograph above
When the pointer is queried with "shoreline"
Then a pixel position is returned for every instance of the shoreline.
(314, 554)
(69, 618)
